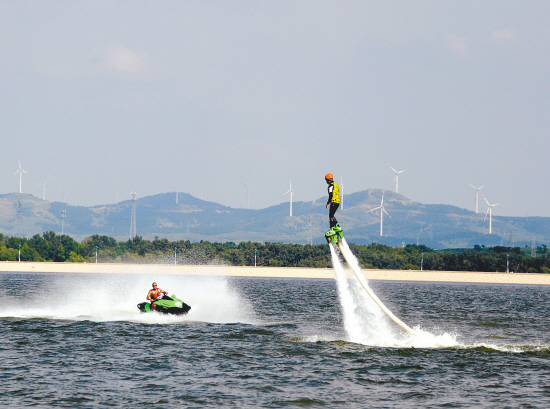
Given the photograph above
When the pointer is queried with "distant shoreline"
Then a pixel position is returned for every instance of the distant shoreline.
(271, 272)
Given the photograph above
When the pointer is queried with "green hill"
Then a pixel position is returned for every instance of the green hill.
(437, 226)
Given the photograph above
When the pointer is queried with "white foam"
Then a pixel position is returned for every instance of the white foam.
(363, 320)
(115, 298)
(365, 323)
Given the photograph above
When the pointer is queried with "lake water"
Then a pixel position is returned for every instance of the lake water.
(80, 341)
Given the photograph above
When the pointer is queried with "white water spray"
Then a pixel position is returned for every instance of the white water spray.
(114, 298)
(365, 316)
(360, 312)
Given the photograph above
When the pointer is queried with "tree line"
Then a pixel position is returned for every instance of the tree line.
(62, 248)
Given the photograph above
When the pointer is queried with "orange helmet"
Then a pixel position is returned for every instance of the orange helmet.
(329, 176)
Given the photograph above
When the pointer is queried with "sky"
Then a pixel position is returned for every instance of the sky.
(219, 98)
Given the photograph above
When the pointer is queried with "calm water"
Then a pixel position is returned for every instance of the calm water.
(79, 341)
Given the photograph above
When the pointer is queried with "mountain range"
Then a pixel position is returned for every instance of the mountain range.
(435, 225)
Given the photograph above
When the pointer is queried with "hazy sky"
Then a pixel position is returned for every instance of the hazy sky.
(157, 95)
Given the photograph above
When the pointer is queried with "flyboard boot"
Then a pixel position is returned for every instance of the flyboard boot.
(338, 231)
(335, 234)
(331, 236)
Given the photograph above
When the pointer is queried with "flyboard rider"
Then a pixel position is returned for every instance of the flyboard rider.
(154, 294)
(333, 203)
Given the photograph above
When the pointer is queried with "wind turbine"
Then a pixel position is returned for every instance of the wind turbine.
(44, 188)
(477, 195)
(291, 195)
(63, 215)
(20, 171)
(133, 231)
(396, 178)
(247, 196)
(342, 192)
(178, 193)
(382, 211)
(490, 212)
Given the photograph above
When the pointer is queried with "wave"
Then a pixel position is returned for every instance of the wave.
(114, 298)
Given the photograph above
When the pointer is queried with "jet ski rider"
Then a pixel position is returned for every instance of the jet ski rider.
(155, 293)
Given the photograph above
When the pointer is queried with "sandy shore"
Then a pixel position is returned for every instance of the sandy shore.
(272, 272)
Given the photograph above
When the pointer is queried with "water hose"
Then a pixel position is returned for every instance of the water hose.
(344, 250)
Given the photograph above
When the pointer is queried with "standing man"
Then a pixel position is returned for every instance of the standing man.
(333, 201)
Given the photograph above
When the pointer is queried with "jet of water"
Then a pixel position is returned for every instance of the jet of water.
(365, 322)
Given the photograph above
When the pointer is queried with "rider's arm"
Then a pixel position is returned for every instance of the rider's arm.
(330, 189)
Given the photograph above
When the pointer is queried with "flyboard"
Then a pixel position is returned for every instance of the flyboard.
(336, 236)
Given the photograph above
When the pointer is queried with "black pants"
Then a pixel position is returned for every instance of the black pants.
(331, 210)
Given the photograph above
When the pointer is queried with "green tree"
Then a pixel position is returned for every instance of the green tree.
(75, 258)
(7, 254)
(60, 253)
(30, 254)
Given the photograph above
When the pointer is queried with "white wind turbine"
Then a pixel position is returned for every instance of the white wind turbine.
(64, 191)
(477, 189)
(291, 196)
(342, 192)
(248, 195)
(44, 188)
(396, 177)
(382, 211)
(490, 212)
(20, 171)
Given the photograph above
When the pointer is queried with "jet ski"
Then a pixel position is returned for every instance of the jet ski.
(166, 305)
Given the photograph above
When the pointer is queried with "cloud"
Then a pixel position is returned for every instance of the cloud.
(458, 44)
(123, 61)
(503, 35)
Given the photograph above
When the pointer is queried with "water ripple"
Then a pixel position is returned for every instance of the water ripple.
(270, 357)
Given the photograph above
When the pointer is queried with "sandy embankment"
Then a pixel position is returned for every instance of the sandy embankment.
(272, 272)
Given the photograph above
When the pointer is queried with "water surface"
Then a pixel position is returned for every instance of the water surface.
(79, 341)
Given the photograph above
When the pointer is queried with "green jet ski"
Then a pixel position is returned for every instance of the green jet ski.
(166, 305)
